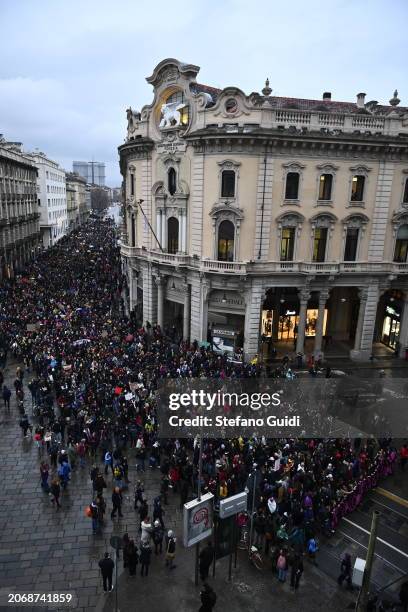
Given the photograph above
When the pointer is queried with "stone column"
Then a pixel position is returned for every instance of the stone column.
(130, 282)
(163, 231)
(363, 345)
(323, 297)
(403, 337)
(183, 231)
(132, 288)
(158, 226)
(205, 294)
(304, 296)
(160, 299)
(362, 294)
(254, 294)
(186, 313)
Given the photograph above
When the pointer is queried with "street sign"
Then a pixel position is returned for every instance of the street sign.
(197, 520)
(233, 505)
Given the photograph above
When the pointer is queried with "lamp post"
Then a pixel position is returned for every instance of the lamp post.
(200, 470)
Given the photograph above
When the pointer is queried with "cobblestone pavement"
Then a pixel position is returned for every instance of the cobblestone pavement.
(43, 549)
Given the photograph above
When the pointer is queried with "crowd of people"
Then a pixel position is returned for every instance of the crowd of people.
(93, 373)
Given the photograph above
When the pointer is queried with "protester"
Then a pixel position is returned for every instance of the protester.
(208, 598)
(346, 571)
(106, 565)
(145, 554)
(170, 550)
(206, 558)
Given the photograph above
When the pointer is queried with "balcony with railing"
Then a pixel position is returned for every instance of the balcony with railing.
(264, 267)
(315, 120)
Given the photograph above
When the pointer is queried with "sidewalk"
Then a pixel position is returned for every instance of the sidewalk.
(249, 591)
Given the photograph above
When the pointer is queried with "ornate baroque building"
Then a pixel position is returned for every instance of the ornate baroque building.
(255, 216)
(19, 229)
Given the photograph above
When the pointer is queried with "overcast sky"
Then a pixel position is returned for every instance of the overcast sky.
(69, 69)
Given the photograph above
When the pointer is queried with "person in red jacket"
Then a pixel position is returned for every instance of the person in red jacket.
(404, 456)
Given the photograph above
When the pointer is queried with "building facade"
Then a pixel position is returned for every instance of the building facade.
(19, 218)
(255, 217)
(52, 199)
(76, 200)
(93, 172)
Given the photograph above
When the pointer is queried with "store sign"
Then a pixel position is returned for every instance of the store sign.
(392, 312)
(223, 332)
(197, 520)
(290, 313)
(233, 505)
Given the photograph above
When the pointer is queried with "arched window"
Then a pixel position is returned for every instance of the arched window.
(172, 182)
(226, 234)
(172, 235)
(401, 245)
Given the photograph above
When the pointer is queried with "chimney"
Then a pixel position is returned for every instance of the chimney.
(360, 100)
(327, 95)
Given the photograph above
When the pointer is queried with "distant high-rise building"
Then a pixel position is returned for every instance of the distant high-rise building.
(93, 172)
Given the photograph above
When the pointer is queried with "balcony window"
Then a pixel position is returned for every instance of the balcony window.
(228, 184)
(350, 248)
(172, 181)
(292, 186)
(325, 186)
(287, 244)
(401, 245)
(226, 235)
(319, 244)
(172, 235)
(357, 188)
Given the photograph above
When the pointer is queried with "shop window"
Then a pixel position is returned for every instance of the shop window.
(350, 247)
(172, 182)
(405, 196)
(228, 184)
(226, 234)
(401, 245)
(172, 235)
(319, 244)
(357, 188)
(287, 244)
(325, 186)
(292, 186)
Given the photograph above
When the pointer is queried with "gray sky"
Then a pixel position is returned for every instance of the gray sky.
(69, 69)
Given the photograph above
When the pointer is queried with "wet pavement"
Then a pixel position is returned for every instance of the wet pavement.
(47, 550)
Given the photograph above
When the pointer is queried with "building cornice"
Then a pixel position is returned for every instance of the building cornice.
(299, 143)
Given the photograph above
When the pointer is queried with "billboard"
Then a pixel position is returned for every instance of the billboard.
(197, 520)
